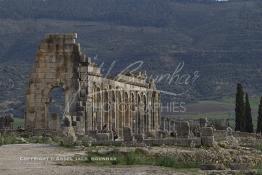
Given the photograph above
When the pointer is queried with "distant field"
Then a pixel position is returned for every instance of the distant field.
(254, 101)
(220, 109)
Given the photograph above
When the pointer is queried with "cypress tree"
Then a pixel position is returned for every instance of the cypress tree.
(240, 109)
(248, 116)
(259, 118)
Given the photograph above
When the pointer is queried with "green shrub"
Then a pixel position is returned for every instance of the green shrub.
(259, 169)
(142, 157)
(132, 158)
(166, 161)
(259, 147)
(6, 139)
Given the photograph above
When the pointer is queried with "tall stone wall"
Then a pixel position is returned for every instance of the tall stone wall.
(56, 66)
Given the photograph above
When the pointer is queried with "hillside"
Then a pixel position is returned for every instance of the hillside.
(220, 40)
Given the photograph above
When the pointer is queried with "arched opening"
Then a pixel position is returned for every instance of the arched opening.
(56, 108)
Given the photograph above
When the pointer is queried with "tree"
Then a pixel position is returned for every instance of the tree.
(259, 118)
(248, 116)
(240, 109)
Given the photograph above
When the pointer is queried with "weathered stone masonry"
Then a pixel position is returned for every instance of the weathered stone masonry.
(92, 102)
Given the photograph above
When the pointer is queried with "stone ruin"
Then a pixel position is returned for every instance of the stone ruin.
(196, 131)
(6, 121)
(124, 108)
(94, 105)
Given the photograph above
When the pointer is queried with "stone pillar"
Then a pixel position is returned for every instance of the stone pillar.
(119, 114)
(139, 114)
(88, 108)
(106, 109)
(144, 103)
(158, 110)
(99, 110)
(102, 112)
(133, 113)
(126, 110)
(114, 111)
(110, 110)
(150, 113)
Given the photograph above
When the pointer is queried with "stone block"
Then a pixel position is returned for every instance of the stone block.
(206, 131)
(240, 166)
(127, 134)
(182, 129)
(212, 167)
(139, 138)
(91, 133)
(100, 137)
(208, 141)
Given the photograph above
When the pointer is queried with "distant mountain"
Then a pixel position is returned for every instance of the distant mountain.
(222, 41)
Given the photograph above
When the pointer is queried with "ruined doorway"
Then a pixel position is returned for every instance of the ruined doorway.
(56, 108)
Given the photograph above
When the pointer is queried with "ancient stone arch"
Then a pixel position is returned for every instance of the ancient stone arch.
(56, 66)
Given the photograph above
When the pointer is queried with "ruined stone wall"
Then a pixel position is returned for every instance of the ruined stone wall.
(222, 134)
(116, 105)
(95, 104)
(56, 66)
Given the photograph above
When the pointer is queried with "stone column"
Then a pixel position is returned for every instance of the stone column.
(89, 108)
(113, 111)
(126, 110)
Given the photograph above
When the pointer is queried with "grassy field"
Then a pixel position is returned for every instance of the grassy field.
(141, 157)
(219, 109)
(254, 101)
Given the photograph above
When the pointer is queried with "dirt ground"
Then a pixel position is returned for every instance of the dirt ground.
(34, 159)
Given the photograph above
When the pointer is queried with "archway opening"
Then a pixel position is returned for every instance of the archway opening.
(56, 108)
